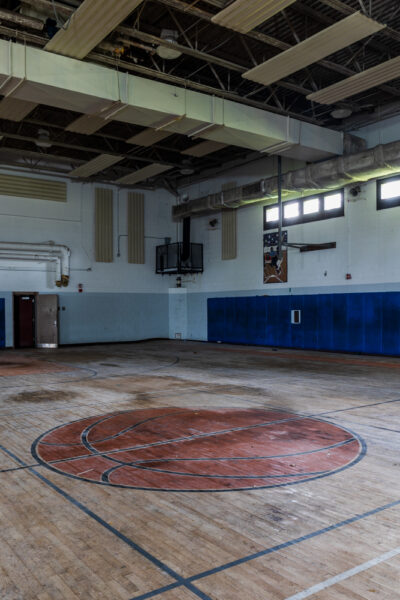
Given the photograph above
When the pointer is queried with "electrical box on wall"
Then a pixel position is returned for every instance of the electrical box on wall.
(295, 317)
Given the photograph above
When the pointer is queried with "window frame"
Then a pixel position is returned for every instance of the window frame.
(321, 215)
(383, 204)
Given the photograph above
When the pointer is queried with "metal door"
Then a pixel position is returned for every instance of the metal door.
(47, 321)
(24, 321)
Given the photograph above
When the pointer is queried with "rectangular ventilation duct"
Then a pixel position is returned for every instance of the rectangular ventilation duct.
(89, 25)
(143, 174)
(315, 48)
(245, 15)
(104, 225)
(204, 148)
(29, 187)
(148, 137)
(14, 109)
(358, 83)
(136, 228)
(98, 164)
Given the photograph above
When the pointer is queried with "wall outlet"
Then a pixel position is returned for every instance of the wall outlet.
(178, 336)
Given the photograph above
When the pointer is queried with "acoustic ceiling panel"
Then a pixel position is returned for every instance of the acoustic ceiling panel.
(98, 164)
(358, 83)
(89, 25)
(143, 174)
(245, 15)
(328, 41)
(14, 109)
(86, 124)
(204, 148)
(148, 137)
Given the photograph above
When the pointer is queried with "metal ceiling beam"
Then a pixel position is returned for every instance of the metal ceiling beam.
(270, 40)
(347, 10)
(91, 150)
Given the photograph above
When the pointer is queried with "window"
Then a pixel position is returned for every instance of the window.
(291, 210)
(272, 214)
(306, 210)
(388, 193)
(332, 202)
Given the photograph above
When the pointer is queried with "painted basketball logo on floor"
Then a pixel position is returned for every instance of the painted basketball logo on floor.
(177, 449)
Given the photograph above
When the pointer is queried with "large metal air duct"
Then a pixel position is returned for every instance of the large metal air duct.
(377, 162)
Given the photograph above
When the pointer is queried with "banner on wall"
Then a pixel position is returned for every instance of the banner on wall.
(275, 271)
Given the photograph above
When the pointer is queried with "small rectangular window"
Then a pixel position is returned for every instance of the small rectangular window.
(291, 210)
(388, 193)
(390, 190)
(295, 317)
(332, 202)
(272, 214)
(311, 206)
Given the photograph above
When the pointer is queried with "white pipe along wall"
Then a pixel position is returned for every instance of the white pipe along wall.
(41, 251)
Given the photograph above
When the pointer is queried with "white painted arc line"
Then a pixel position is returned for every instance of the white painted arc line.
(346, 575)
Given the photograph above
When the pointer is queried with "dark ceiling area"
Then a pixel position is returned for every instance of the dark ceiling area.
(212, 59)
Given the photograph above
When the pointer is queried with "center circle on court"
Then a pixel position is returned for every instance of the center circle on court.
(198, 450)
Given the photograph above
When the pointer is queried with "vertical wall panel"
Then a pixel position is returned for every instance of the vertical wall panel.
(104, 225)
(228, 229)
(136, 228)
(2, 324)
(364, 323)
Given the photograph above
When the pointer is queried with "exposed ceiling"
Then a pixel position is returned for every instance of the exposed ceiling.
(212, 55)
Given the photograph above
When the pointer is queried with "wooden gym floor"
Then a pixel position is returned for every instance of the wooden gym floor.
(180, 470)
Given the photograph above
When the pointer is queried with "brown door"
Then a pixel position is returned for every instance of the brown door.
(47, 321)
(24, 321)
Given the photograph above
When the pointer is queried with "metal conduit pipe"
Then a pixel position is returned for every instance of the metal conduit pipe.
(43, 250)
(334, 173)
(34, 258)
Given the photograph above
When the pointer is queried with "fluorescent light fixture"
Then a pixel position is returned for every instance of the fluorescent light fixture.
(332, 201)
(332, 39)
(98, 164)
(310, 206)
(143, 174)
(272, 214)
(204, 148)
(148, 137)
(390, 190)
(14, 109)
(358, 83)
(245, 15)
(292, 210)
(89, 25)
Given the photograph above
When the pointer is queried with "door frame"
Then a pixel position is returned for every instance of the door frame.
(16, 294)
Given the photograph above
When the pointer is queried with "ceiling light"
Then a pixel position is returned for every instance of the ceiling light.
(43, 139)
(187, 168)
(170, 36)
(341, 113)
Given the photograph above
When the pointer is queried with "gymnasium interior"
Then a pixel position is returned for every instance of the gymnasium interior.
(199, 299)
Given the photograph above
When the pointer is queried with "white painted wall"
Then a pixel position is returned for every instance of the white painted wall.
(72, 224)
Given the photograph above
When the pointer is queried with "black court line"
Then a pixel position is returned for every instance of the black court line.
(20, 468)
(272, 550)
(82, 507)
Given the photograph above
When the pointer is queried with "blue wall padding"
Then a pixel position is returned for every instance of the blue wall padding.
(367, 323)
(2, 324)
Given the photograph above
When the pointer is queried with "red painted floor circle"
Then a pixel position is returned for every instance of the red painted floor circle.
(180, 449)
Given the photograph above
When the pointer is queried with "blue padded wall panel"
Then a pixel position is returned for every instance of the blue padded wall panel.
(2, 324)
(367, 323)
